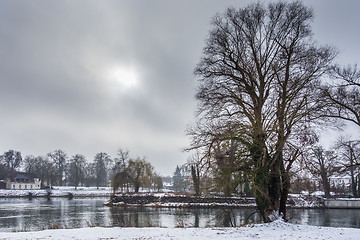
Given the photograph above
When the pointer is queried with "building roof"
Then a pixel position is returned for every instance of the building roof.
(22, 177)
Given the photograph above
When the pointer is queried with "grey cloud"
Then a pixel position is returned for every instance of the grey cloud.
(53, 91)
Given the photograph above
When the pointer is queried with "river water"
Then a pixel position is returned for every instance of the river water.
(39, 213)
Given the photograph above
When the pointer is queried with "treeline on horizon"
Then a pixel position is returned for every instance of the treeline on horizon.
(58, 169)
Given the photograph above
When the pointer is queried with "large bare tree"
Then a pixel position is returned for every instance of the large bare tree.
(260, 71)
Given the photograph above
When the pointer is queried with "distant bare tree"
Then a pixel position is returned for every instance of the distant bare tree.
(77, 169)
(323, 164)
(349, 151)
(90, 174)
(101, 163)
(59, 159)
(29, 164)
(196, 167)
(157, 182)
(120, 180)
(10, 161)
(41, 167)
(121, 160)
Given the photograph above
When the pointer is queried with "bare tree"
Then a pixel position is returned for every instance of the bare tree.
(10, 162)
(220, 153)
(120, 175)
(41, 167)
(157, 182)
(29, 164)
(90, 174)
(121, 160)
(323, 164)
(196, 164)
(261, 71)
(350, 153)
(343, 95)
(102, 169)
(77, 169)
(59, 159)
(120, 180)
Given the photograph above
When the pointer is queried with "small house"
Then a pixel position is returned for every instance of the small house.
(23, 181)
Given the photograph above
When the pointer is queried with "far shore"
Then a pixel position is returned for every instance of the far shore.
(57, 196)
(57, 192)
(162, 199)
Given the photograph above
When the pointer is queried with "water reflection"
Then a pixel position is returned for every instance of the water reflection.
(178, 217)
(134, 217)
(326, 217)
(38, 214)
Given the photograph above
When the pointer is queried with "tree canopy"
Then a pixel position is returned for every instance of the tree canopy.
(260, 74)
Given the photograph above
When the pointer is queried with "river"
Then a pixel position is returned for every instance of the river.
(20, 214)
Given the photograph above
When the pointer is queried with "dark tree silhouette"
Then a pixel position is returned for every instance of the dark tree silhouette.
(260, 71)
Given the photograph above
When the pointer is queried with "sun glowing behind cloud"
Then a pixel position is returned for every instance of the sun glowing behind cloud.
(124, 77)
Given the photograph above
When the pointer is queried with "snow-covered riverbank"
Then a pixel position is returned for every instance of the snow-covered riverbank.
(276, 230)
(172, 200)
(59, 192)
(162, 199)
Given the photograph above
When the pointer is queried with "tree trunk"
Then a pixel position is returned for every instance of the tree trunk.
(196, 179)
(136, 185)
(262, 186)
(358, 185)
(275, 184)
(263, 202)
(227, 183)
(353, 178)
(353, 185)
(326, 183)
(285, 178)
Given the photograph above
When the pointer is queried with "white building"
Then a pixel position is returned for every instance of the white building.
(23, 181)
(340, 181)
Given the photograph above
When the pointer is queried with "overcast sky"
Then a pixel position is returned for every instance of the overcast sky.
(94, 76)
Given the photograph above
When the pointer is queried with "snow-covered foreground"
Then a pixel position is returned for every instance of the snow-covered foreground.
(276, 230)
